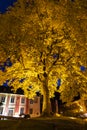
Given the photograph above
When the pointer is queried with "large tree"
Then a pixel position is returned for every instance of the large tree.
(44, 40)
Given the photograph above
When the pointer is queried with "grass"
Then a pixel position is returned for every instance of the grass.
(60, 123)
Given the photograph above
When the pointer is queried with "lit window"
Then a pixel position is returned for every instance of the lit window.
(1, 110)
(10, 112)
(31, 101)
(12, 99)
(31, 111)
(3, 99)
(22, 100)
(21, 110)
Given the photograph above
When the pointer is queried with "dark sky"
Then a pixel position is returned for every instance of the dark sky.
(4, 4)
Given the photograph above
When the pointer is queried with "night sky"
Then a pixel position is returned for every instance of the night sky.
(4, 4)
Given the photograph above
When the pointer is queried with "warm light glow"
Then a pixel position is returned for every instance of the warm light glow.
(48, 44)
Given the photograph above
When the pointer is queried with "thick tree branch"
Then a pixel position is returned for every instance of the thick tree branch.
(40, 79)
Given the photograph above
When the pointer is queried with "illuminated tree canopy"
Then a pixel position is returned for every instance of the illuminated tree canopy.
(45, 42)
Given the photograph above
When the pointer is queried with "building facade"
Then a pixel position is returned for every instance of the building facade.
(15, 104)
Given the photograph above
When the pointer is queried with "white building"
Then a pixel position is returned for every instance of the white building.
(15, 104)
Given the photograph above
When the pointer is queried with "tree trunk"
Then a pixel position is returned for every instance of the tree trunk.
(46, 109)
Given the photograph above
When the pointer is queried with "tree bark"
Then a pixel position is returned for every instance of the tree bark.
(46, 109)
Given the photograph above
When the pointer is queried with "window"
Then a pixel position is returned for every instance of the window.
(21, 110)
(10, 112)
(73, 0)
(36, 100)
(22, 100)
(31, 111)
(1, 110)
(3, 99)
(12, 99)
(31, 101)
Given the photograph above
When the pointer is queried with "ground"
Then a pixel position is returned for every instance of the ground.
(59, 123)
